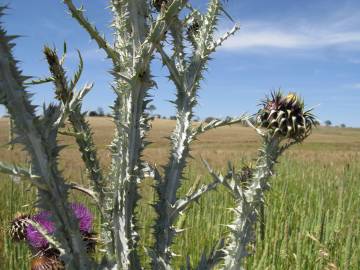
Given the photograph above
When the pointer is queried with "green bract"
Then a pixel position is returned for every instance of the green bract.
(285, 116)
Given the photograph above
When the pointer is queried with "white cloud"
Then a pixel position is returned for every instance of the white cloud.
(355, 86)
(339, 30)
(250, 37)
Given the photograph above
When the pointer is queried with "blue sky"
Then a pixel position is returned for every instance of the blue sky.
(310, 47)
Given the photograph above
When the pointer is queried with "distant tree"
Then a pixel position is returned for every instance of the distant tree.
(157, 116)
(93, 113)
(151, 108)
(100, 111)
(209, 119)
(172, 117)
(164, 117)
(327, 123)
(196, 118)
(343, 125)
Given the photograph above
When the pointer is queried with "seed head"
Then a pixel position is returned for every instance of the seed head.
(158, 4)
(47, 263)
(90, 241)
(194, 27)
(246, 173)
(243, 177)
(18, 227)
(192, 30)
(285, 116)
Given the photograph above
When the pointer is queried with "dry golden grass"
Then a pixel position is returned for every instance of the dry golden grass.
(325, 145)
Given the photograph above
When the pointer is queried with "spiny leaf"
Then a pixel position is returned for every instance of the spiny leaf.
(78, 73)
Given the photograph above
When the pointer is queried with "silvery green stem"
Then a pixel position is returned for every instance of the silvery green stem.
(52, 241)
(131, 125)
(38, 135)
(17, 172)
(130, 119)
(136, 37)
(222, 39)
(135, 42)
(39, 81)
(182, 203)
(81, 127)
(84, 140)
(14, 170)
(186, 75)
(176, 27)
(204, 127)
(248, 187)
(248, 202)
(78, 14)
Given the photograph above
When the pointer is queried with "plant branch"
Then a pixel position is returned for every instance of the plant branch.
(216, 254)
(174, 73)
(183, 203)
(71, 105)
(78, 14)
(203, 127)
(39, 81)
(20, 172)
(181, 138)
(221, 40)
(38, 135)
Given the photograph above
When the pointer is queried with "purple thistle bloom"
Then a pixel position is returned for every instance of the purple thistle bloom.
(43, 218)
(83, 215)
(33, 236)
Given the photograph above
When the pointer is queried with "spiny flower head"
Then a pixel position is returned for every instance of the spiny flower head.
(47, 263)
(246, 173)
(285, 116)
(33, 236)
(159, 3)
(84, 216)
(193, 30)
(18, 227)
(194, 27)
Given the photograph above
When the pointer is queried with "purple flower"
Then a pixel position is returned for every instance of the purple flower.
(33, 236)
(83, 215)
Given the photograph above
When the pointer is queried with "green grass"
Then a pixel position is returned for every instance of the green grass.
(312, 213)
(312, 219)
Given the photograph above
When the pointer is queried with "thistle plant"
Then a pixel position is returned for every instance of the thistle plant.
(61, 231)
(281, 122)
(26, 228)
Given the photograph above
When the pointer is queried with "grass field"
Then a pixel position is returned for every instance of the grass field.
(312, 212)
